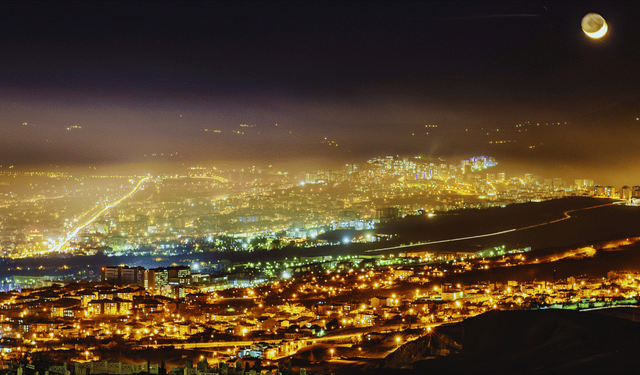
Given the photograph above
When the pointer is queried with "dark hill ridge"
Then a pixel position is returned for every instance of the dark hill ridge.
(432, 345)
(541, 342)
(585, 227)
(464, 223)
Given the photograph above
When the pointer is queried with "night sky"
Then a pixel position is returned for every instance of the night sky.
(177, 80)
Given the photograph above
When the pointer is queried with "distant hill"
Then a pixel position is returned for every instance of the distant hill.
(585, 226)
(472, 222)
(601, 145)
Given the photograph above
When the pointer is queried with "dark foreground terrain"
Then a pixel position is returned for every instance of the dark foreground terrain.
(524, 342)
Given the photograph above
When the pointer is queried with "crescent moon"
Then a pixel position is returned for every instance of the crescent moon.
(600, 33)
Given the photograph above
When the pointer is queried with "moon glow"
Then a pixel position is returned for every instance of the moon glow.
(594, 25)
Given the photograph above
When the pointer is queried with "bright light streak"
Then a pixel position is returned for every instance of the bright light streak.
(96, 216)
(567, 216)
(449, 240)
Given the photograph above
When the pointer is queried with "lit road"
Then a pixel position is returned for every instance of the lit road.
(74, 233)
(303, 340)
(567, 215)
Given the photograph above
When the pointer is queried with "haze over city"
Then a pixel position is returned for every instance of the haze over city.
(112, 84)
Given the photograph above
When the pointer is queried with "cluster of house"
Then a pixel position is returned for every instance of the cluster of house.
(59, 315)
(234, 366)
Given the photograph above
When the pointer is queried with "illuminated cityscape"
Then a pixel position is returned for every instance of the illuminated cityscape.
(251, 209)
(269, 308)
(200, 188)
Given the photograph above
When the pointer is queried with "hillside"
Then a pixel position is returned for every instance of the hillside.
(541, 342)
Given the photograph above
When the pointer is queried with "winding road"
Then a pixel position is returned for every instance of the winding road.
(567, 216)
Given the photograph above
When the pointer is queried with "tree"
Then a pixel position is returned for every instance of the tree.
(40, 360)
(275, 244)
(332, 324)
(259, 243)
